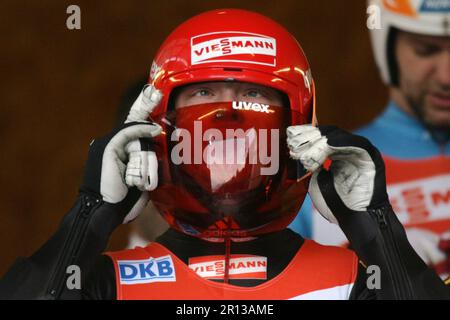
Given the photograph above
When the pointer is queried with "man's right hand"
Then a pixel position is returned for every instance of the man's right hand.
(105, 201)
(122, 160)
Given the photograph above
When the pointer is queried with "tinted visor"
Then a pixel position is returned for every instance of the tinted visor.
(226, 167)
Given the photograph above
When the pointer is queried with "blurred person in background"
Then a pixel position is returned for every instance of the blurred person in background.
(412, 51)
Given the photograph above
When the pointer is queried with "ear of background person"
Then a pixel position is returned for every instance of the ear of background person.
(60, 88)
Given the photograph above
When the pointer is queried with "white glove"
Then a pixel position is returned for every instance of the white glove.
(123, 159)
(142, 167)
(355, 180)
(148, 99)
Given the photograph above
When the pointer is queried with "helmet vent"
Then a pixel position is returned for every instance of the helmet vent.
(232, 69)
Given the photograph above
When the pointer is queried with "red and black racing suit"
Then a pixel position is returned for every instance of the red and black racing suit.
(85, 230)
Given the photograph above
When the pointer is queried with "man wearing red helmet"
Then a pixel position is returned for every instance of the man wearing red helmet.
(223, 141)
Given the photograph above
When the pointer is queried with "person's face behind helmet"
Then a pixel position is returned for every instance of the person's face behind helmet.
(424, 77)
(232, 82)
(412, 50)
(219, 91)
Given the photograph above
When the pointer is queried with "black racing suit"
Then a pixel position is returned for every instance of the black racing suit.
(85, 230)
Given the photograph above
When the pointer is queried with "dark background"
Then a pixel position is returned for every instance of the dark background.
(60, 88)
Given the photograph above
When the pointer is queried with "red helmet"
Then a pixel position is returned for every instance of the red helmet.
(242, 46)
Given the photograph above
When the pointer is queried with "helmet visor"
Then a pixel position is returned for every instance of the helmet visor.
(225, 167)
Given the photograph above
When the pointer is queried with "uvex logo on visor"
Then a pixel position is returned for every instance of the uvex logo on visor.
(257, 107)
(233, 46)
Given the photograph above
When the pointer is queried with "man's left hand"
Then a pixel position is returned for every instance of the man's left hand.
(354, 183)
